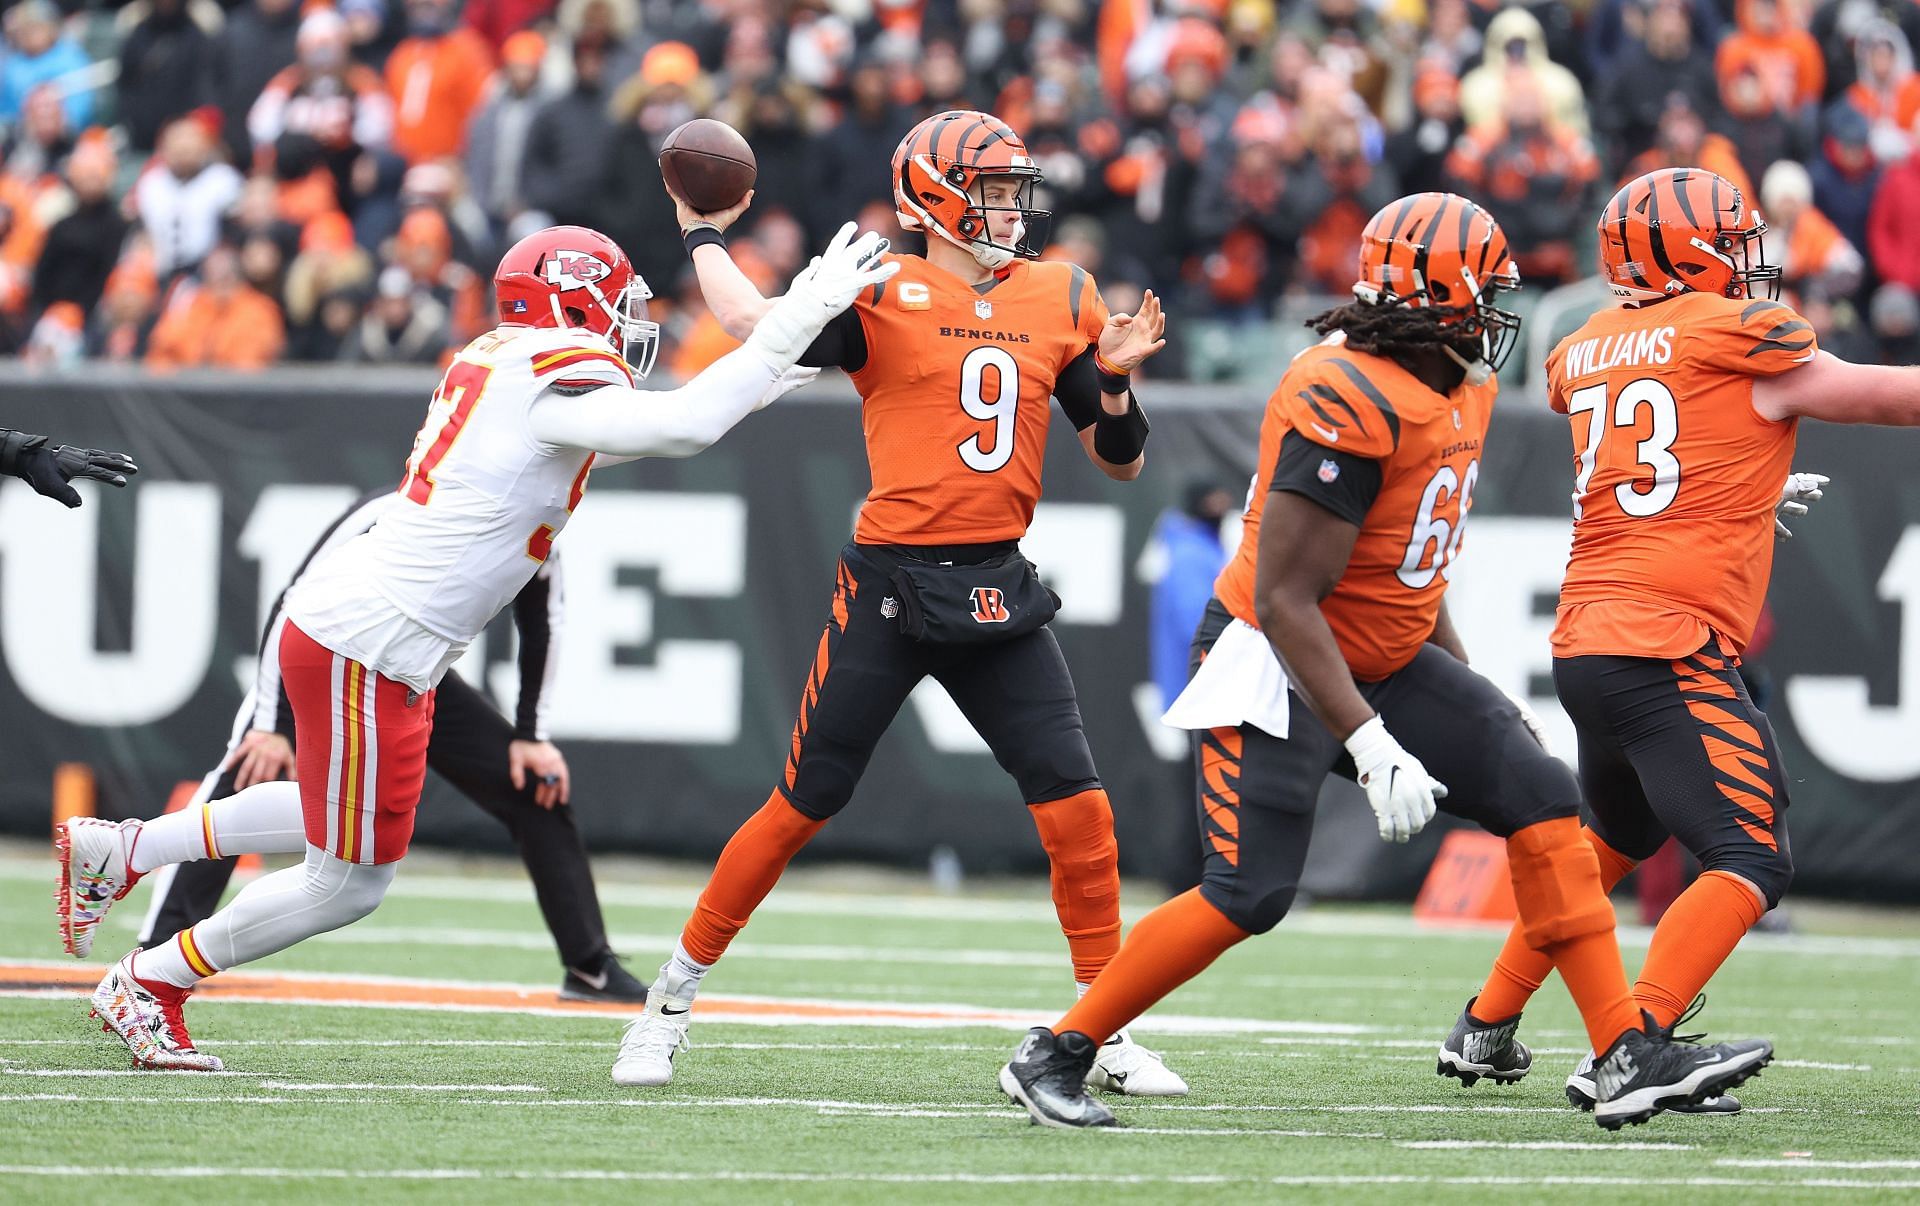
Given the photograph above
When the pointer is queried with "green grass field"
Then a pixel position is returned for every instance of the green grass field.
(1310, 1053)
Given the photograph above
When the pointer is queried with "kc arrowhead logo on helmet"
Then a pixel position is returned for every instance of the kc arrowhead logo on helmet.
(569, 269)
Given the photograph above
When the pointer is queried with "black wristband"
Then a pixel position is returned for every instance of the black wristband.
(701, 236)
(522, 733)
(1119, 439)
(1113, 383)
(12, 444)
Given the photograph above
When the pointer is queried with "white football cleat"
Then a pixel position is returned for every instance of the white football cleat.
(93, 874)
(1124, 1066)
(148, 1019)
(650, 1042)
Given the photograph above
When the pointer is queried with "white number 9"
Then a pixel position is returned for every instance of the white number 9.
(999, 411)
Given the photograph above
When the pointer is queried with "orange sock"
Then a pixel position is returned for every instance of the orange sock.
(1077, 833)
(1519, 970)
(1692, 940)
(1565, 915)
(748, 868)
(1167, 947)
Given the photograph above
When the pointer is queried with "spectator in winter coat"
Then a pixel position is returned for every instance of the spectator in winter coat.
(183, 198)
(1666, 60)
(1615, 27)
(218, 321)
(669, 90)
(402, 326)
(325, 97)
(38, 54)
(1418, 154)
(163, 72)
(1893, 225)
(1683, 140)
(1812, 254)
(1760, 132)
(1771, 39)
(497, 138)
(498, 20)
(256, 44)
(1845, 173)
(1887, 90)
(565, 165)
(435, 78)
(1515, 39)
(851, 151)
(1536, 177)
(81, 248)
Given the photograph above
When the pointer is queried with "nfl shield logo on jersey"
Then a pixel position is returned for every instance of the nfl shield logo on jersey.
(1329, 472)
(889, 608)
(983, 308)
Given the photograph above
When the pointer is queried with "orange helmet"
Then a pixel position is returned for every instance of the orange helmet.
(571, 276)
(1682, 230)
(936, 169)
(1442, 251)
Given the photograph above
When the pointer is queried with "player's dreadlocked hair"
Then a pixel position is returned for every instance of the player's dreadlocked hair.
(1393, 331)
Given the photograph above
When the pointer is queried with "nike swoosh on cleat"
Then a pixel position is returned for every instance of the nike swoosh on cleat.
(673, 1013)
(596, 983)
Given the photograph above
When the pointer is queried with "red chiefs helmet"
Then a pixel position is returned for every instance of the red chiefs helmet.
(569, 276)
(937, 170)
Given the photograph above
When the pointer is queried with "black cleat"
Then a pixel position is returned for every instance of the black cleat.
(611, 983)
(1490, 1049)
(1651, 1070)
(1580, 1095)
(1048, 1075)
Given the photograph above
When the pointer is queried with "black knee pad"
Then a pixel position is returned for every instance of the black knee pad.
(1771, 871)
(1254, 913)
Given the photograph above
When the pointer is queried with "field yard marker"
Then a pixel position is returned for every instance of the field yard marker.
(1539, 1145)
(1802, 1162)
(308, 1087)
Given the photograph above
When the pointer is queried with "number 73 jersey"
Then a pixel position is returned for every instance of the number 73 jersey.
(1676, 476)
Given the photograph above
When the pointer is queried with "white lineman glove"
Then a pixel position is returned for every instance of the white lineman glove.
(1399, 788)
(788, 381)
(1529, 718)
(1799, 490)
(828, 286)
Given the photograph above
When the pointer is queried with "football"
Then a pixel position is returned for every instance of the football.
(707, 164)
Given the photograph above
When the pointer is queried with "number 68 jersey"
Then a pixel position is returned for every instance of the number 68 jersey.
(1365, 439)
(483, 501)
(1676, 476)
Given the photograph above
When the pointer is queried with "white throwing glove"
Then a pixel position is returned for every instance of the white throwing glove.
(1799, 490)
(1399, 788)
(788, 381)
(1529, 718)
(828, 286)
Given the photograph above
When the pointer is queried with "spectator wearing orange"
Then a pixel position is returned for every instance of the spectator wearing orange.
(424, 247)
(81, 248)
(1515, 38)
(435, 76)
(1811, 251)
(217, 321)
(327, 99)
(1683, 140)
(1333, 193)
(1760, 131)
(1537, 176)
(118, 328)
(1887, 92)
(329, 262)
(1772, 40)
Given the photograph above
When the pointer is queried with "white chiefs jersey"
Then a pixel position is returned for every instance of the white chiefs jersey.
(483, 500)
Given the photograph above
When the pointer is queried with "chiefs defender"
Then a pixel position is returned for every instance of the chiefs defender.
(955, 360)
(1328, 646)
(1684, 400)
(520, 418)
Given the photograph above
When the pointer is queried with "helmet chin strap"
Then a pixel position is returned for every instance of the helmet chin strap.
(1478, 371)
(989, 256)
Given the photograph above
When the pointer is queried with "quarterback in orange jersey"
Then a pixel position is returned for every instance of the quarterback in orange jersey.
(1684, 399)
(956, 359)
(1328, 646)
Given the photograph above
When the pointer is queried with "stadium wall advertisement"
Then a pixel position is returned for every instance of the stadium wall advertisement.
(696, 589)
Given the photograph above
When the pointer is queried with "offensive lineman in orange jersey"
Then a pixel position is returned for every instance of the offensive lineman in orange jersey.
(1328, 645)
(1684, 400)
(955, 360)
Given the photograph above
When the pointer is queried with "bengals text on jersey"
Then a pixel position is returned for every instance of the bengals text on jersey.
(956, 393)
(1676, 476)
(1427, 446)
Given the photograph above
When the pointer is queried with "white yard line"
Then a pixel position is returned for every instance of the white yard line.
(1799, 1162)
(143, 1073)
(1539, 1145)
(201, 1172)
(574, 1043)
(298, 1086)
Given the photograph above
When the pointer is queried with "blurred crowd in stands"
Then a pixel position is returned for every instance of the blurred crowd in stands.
(191, 184)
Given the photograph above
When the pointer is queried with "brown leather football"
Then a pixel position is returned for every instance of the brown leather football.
(707, 164)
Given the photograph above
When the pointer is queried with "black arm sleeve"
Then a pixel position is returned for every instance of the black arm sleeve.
(843, 345)
(533, 615)
(1078, 391)
(1340, 482)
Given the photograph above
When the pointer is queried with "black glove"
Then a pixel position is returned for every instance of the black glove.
(49, 469)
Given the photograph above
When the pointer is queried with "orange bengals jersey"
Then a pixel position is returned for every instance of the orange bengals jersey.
(956, 391)
(1675, 475)
(1428, 447)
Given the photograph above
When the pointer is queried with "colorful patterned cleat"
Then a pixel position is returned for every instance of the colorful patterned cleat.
(93, 874)
(147, 1017)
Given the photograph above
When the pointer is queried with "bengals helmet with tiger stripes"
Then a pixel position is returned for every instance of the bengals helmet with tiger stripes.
(937, 170)
(1442, 251)
(1683, 230)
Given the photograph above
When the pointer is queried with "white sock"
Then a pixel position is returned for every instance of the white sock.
(263, 819)
(680, 975)
(1080, 988)
(271, 914)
